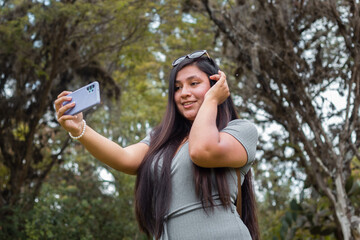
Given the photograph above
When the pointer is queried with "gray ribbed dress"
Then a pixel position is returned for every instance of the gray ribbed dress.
(186, 218)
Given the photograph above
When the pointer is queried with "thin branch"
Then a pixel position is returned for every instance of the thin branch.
(323, 167)
(40, 179)
(355, 151)
(355, 79)
(340, 24)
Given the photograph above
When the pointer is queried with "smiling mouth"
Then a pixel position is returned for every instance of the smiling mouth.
(187, 104)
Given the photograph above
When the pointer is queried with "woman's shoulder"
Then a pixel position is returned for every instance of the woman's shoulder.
(240, 121)
(246, 133)
(242, 124)
(146, 140)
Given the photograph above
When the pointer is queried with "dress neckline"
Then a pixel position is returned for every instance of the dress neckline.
(184, 142)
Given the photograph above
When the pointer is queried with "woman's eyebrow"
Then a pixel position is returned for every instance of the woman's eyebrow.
(192, 77)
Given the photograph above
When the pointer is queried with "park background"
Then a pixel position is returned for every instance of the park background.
(293, 70)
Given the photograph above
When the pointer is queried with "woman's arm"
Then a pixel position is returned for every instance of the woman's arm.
(126, 160)
(207, 146)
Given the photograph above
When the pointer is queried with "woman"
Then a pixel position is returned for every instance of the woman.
(186, 185)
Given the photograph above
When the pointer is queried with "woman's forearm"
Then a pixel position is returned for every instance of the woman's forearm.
(204, 134)
(126, 160)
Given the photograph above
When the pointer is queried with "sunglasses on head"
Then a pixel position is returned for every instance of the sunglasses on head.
(195, 54)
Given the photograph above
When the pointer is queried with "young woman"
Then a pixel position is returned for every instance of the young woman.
(186, 185)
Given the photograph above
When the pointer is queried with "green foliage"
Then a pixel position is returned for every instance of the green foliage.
(309, 218)
(12, 220)
(352, 186)
(74, 204)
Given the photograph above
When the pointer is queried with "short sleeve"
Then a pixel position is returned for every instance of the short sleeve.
(246, 133)
(146, 140)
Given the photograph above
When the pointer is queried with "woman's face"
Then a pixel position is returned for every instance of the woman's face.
(191, 84)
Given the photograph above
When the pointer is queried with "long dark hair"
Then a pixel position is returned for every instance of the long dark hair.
(248, 207)
(153, 185)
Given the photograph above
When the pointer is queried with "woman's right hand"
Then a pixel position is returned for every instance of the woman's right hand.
(72, 124)
(220, 91)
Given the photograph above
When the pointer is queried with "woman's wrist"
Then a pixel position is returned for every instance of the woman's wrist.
(210, 100)
(79, 133)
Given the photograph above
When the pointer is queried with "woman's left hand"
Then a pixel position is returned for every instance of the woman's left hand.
(220, 91)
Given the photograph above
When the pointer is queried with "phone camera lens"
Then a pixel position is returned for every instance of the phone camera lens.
(90, 89)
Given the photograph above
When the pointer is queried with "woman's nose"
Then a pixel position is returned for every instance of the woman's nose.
(185, 91)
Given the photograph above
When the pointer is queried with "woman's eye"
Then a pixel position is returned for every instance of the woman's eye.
(177, 88)
(194, 83)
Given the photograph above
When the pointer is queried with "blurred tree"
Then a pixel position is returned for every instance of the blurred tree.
(297, 66)
(49, 46)
(45, 48)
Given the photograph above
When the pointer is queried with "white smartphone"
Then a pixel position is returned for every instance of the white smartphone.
(85, 97)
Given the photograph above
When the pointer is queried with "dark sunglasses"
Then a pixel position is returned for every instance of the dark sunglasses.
(195, 54)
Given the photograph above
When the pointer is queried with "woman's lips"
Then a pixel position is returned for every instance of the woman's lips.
(188, 104)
